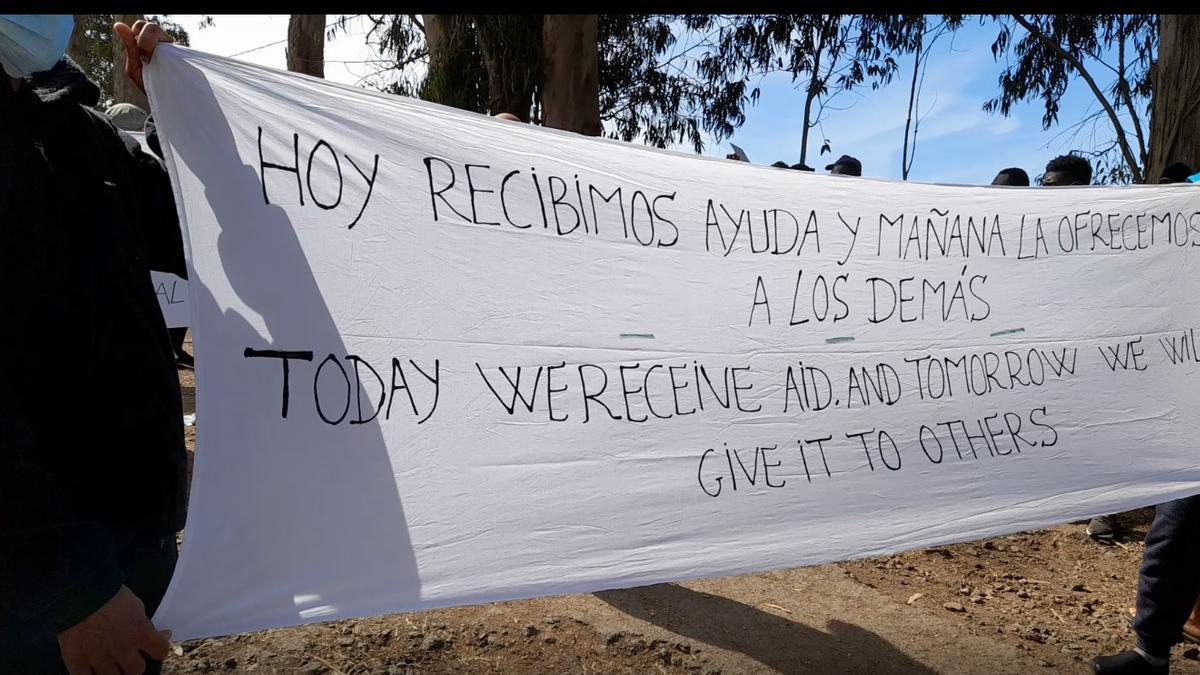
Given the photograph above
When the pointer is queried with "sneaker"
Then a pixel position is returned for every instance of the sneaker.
(1102, 528)
(1127, 663)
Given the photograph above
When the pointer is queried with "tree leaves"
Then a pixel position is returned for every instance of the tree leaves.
(668, 79)
(825, 54)
(1044, 67)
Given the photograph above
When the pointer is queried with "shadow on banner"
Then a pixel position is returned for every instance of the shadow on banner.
(266, 558)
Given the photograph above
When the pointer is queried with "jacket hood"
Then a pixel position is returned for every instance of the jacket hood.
(65, 83)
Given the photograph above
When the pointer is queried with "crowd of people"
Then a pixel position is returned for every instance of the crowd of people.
(89, 514)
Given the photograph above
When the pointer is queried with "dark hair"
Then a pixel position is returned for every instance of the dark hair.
(1016, 175)
(1078, 167)
(780, 165)
(1176, 173)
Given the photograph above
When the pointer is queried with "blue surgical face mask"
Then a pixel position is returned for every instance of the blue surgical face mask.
(32, 43)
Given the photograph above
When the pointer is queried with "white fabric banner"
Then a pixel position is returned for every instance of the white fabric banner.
(172, 293)
(447, 359)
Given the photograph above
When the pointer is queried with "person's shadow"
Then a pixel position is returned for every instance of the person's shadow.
(304, 521)
(773, 641)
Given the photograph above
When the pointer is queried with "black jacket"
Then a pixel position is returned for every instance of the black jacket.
(164, 241)
(91, 432)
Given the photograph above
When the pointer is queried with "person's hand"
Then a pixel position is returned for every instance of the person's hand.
(140, 41)
(113, 639)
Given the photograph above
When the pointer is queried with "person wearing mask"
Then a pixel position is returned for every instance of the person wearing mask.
(1067, 170)
(845, 166)
(88, 513)
(1012, 176)
(164, 246)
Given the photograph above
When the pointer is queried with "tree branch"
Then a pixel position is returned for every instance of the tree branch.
(905, 164)
(1123, 88)
(1122, 135)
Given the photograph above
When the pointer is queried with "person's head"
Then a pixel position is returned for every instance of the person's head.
(32, 43)
(780, 165)
(845, 166)
(801, 167)
(1175, 173)
(507, 116)
(1068, 170)
(1012, 176)
(127, 116)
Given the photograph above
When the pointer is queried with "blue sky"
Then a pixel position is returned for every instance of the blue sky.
(958, 142)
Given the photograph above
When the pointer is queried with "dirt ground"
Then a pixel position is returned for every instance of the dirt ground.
(1041, 601)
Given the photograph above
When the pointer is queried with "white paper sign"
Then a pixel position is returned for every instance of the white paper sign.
(172, 293)
(447, 359)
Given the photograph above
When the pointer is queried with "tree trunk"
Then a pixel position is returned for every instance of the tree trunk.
(77, 47)
(572, 92)
(306, 44)
(511, 47)
(440, 46)
(124, 90)
(806, 125)
(436, 36)
(1175, 106)
(905, 162)
(455, 76)
(811, 93)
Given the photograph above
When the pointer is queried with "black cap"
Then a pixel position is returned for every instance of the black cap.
(853, 166)
(1175, 173)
